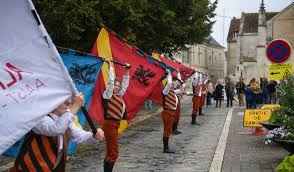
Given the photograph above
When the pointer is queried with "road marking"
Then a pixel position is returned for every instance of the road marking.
(216, 164)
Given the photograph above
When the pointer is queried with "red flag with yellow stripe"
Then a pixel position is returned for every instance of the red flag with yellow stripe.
(186, 72)
(144, 75)
(156, 95)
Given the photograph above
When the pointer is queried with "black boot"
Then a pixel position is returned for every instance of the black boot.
(165, 146)
(175, 128)
(200, 111)
(108, 166)
(196, 121)
(193, 122)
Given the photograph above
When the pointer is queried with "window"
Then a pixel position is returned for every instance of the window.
(199, 55)
(235, 35)
(213, 58)
(185, 56)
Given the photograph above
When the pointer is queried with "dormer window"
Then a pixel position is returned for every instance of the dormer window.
(235, 35)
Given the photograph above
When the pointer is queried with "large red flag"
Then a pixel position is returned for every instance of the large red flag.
(156, 95)
(144, 75)
(185, 71)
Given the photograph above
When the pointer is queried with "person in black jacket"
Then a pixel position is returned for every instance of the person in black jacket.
(218, 93)
(272, 91)
(240, 87)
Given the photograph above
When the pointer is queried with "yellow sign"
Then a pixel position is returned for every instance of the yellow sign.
(253, 117)
(279, 71)
(270, 106)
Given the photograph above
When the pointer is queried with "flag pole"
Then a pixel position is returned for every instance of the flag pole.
(89, 120)
(88, 54)
(136, 47)
(54, 48)
(130, 43)
(83, 108)
(124, 39)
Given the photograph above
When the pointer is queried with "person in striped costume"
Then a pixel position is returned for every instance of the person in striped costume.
(203, 94)
(45, 146)
(179, 88)
(114, 111)
(170, 104)
(196, 99)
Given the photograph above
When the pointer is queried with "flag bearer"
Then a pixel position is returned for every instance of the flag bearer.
(45, 146)
(170, 104)
(196, 99)
(203, 94)
(179, 88)
(114, 111)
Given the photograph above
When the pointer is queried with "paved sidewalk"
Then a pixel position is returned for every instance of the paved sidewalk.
(248, 153)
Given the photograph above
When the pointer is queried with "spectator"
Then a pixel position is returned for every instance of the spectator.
(272, 91)
(209, 92)
(256, 91)
(240, 87)
(148, 104)
(218, 94)
(265, 91)
(248, 97)
(229, 88)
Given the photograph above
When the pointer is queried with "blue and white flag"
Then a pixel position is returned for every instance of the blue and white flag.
(84, 71)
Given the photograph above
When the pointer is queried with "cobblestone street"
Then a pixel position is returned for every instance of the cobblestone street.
(141, 146)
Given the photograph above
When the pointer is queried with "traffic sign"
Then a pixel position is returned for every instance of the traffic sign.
(279, 71)
(253, 117)
(278, 51)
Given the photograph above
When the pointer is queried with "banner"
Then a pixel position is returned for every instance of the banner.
(33, 79)
(156, 95)
(185, 71)
(84, 71)
(144, 75)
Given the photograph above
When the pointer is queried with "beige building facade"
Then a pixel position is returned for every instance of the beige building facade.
(282, 26)
(208, 58)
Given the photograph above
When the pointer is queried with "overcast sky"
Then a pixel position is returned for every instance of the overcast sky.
(234, 8)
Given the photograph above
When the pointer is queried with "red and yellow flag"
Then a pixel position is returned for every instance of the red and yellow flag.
(186, 72)
(156, 95)
(144, 75)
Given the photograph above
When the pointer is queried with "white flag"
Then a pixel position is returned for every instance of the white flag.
(33, 80)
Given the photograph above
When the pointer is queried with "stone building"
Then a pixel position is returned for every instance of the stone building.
(249, 36)
(208, 58)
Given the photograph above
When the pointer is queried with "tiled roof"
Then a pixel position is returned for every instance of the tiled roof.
(211, 41)
(251, 21)
(234, 27)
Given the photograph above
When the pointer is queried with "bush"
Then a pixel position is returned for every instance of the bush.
(285, 114)
(287, 165)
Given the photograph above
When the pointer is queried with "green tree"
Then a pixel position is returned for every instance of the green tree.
(70, 23)
(152, 25)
